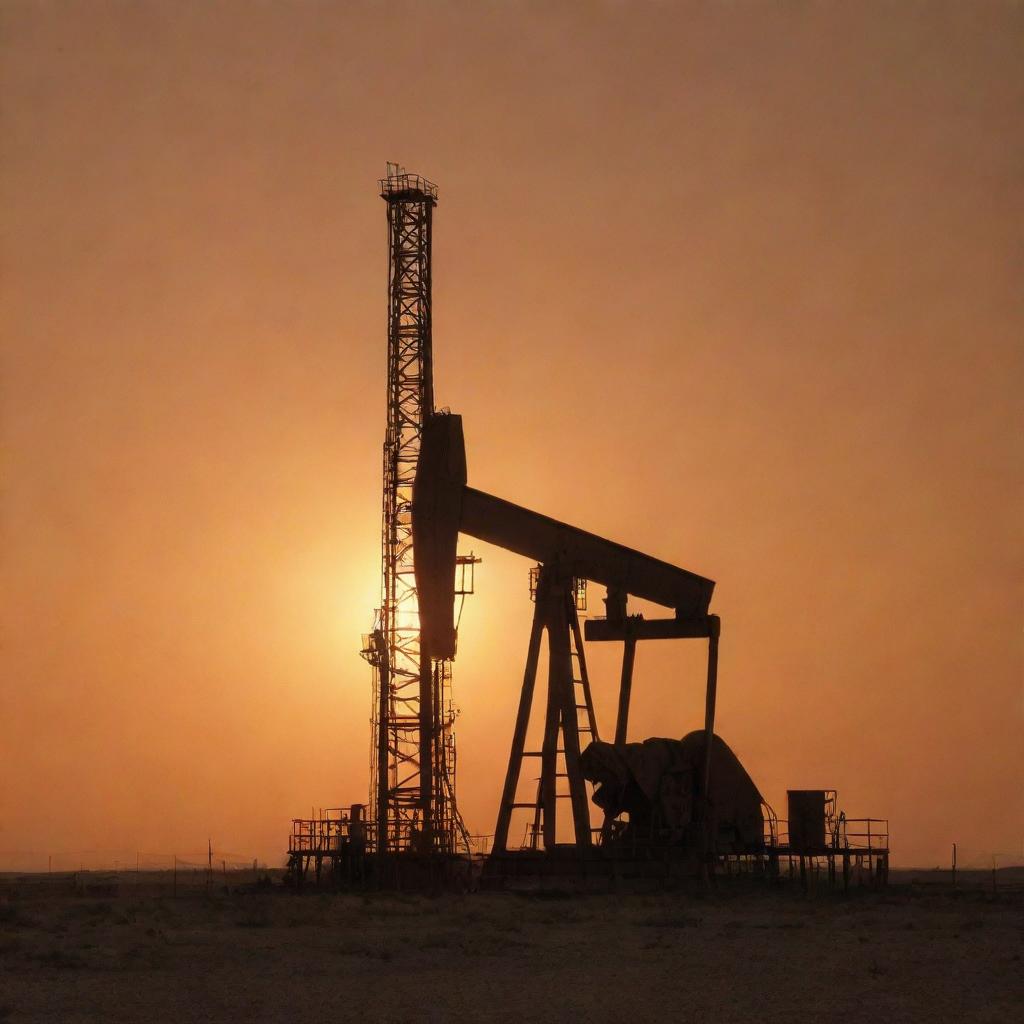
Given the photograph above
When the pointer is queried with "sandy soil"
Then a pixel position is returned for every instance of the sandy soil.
(140, 955)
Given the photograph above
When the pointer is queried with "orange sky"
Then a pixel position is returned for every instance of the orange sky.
(735, 284)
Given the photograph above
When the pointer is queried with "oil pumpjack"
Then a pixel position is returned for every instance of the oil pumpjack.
(445, 506)
(690, 795)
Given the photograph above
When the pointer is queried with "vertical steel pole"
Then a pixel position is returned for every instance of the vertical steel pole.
(709, 703)
(625, 685)
(560, 683)
(383, 725)
(549, 747)
(709, 737)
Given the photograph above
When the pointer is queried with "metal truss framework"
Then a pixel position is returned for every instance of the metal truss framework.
(412, 756)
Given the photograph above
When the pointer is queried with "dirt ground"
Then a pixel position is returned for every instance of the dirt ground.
(141, 955)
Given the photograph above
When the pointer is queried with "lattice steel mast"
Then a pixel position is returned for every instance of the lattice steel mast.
(413, 751)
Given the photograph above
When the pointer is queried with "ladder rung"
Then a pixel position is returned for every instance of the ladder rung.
(534, 806)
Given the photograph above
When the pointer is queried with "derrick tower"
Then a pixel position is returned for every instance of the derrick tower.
(412, 756)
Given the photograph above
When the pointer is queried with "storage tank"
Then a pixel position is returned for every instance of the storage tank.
(806, 820)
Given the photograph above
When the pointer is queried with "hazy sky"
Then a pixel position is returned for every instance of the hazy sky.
(738, 284)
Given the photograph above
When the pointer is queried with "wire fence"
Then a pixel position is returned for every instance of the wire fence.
(122, 862)
(976, 859)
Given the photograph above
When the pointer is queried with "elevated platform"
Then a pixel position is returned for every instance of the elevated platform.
(401, 186)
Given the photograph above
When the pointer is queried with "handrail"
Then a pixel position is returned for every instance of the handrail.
(404, 182)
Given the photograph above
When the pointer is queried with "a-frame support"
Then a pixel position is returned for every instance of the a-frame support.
(555, 612)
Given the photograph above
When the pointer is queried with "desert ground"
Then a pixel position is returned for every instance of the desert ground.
(78, 949)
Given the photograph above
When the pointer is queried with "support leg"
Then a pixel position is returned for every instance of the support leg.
(549, 757)
(709, 736)
(515, 760)
(560, 682)
(625, 688)
(622, 717)
(709, 704)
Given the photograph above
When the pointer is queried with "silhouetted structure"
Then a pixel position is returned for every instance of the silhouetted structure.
(339, 839)
(659, 785)
(443, 507)
(412, 760)
(664, 801)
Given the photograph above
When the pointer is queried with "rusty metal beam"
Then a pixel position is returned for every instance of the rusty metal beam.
(639, 628)
(583, 554)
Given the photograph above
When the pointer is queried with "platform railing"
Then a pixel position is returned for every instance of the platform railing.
(405, 182)
(866, 836)
(330, 831)
(858, 835)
